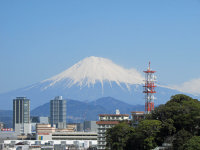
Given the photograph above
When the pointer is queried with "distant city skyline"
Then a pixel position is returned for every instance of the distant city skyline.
(41, 39)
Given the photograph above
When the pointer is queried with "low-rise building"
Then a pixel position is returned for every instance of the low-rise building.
(48, 144)
(72, 127)
(137, 116)
(77, 136)
(90, 126)
(80, 127)
(45, 128)
(72, 136)
(7, 135)
(44, 131)
(38, 120)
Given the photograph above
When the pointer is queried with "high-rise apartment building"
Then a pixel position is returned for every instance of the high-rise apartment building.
(21, 115)
(58, 112)
(105, 122)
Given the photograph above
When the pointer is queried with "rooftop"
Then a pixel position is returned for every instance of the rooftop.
(101, 115)
(107, 122)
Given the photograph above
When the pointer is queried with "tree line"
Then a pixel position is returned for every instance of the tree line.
(176, 123)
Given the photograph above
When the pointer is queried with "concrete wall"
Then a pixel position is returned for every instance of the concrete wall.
(24, 128)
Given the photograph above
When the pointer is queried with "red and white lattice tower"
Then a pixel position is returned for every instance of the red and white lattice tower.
(149, 89)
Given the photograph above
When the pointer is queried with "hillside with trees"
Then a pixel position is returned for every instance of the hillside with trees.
(175, 123)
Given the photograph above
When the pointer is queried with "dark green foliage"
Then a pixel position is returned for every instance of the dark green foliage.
(117, 137)
(144, 137)
(192, 144)
(166, 130)
(146, 134)
(180, 138)
(174, 123)
(183, 110)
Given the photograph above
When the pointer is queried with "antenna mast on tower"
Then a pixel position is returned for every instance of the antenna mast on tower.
(149, 89)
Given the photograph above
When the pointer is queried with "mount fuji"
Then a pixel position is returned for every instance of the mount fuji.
(87, 80)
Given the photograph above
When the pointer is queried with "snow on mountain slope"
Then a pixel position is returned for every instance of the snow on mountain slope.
(96, 69)
(89, 79)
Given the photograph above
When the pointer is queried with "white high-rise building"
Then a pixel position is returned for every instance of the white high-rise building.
(105, 122)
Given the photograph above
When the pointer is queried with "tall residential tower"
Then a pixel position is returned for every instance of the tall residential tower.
(58, 112)
(21, 115)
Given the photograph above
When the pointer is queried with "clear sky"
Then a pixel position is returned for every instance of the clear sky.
(41, 38)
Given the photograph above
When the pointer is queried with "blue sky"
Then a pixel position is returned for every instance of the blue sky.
(39, 39)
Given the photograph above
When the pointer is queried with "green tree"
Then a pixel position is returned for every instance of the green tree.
(118, 136)
(166, 131)
(192, 144)
(146, 133)
(180, 138)
(177, 120)
(183, 110)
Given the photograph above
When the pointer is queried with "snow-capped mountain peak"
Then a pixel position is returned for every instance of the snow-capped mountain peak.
(93, 69)
(90, 79)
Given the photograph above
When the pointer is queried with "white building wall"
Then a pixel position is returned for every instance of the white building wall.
(44, 137)
(22, 128)
(27, 128)
(84, 143)
(18, 128)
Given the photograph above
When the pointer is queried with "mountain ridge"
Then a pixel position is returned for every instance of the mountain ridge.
(87, 80)
(78, 111)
